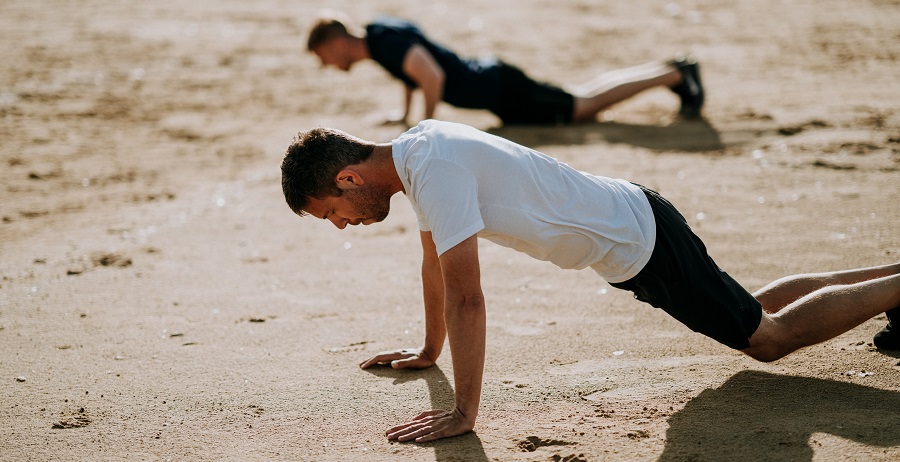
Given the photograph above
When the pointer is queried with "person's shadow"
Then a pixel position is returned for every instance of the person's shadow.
(683, 135)
(466, 447)
(779, 413)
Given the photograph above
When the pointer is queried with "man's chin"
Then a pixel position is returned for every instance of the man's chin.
(377, 219)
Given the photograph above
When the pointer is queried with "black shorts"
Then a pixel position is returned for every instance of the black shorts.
(684, 281)
(524, 101)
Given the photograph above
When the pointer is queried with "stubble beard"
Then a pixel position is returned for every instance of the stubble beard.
(371, 203)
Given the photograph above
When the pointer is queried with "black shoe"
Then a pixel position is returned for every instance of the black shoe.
(889, 337)
(690, 89)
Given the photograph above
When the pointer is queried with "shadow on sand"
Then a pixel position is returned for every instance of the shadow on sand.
(755, 410)
(466, 447)
(691, 135)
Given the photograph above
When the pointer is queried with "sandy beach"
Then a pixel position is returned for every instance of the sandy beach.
(160, 302)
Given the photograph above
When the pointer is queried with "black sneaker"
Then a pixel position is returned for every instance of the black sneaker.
(889, 337)
(690, 89)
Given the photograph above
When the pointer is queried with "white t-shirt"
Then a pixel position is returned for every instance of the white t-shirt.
(462, 181)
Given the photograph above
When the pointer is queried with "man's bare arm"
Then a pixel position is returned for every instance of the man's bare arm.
(464, 313)
(423, 69)
(433, 291)
(407, 102)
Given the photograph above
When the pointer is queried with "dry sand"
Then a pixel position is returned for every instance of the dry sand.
(158, 300)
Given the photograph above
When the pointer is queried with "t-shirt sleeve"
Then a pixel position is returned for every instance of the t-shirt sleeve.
(447, 199)
(389, 48)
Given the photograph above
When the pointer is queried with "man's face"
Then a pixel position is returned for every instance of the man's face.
(334, 53)
(362, 205)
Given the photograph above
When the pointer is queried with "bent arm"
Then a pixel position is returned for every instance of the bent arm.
(464, 313)
(423, 69)
(464, 317)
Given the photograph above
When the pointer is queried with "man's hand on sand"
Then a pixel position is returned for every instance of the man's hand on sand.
(431, 425)
(412, 358)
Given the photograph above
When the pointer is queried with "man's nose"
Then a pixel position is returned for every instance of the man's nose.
(340, 223)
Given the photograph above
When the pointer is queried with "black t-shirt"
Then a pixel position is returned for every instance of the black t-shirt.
(468, 83)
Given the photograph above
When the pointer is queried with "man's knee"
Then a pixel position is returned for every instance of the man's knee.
(765, 353)
(770, 342)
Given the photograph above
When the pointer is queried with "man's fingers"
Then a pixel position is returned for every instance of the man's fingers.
(368, 363)
(413, 362)
(380, 359)
(400, 431)
(376, 361)
(427, 426)
(398, 360)
(416, 434)
(426, 431)
(433, 436)
(442, 428)
(416, 422)
(387, 357)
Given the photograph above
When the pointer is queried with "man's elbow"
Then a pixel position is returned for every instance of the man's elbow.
(467, 302)
(436, 82)
(439, 79)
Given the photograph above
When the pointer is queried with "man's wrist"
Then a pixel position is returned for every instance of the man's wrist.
(467, 415)
(430, 353)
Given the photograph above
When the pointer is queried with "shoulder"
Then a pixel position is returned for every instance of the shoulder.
(429, 128)
(388, 41)
(438, 134)
(392, 26)
(433, 134)
(421, 147)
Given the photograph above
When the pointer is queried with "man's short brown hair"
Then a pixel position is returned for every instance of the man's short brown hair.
(329, 25)
(313, 160)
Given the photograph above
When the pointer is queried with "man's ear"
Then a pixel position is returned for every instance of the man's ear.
(348, 179)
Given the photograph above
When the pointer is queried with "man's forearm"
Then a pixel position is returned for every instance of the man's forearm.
(432, 97)
(407, 102)
(433, 291)
(465, 321)
(433, 92)
(465, 318)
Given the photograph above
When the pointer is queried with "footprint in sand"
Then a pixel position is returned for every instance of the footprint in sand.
(569, 458)
(532, 443)
(73, 419)
(108, 259)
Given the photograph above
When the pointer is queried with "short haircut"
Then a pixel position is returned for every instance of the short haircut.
(313, 160)
(329, 25)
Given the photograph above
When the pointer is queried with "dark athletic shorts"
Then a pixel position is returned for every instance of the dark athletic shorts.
(684, 281)
(523, 101)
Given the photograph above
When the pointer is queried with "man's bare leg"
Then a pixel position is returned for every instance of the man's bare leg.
(616, 86)
(782, 292)
(821, 315)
